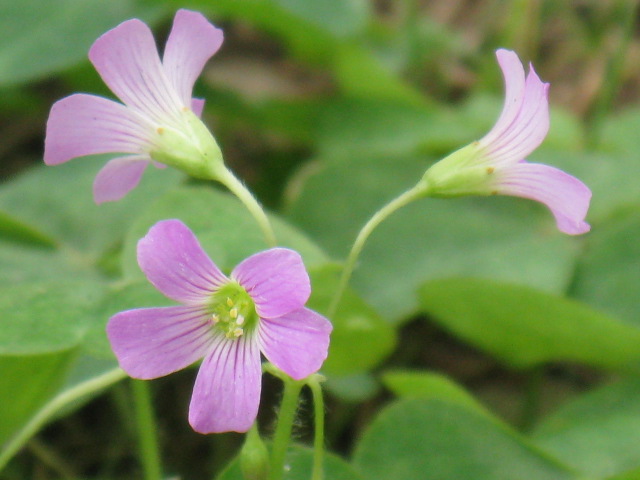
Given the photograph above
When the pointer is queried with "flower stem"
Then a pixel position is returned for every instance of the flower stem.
(56, 404)
(239, 190)
(282, 434)
(394, 205)
(318, 437)
(147, 435)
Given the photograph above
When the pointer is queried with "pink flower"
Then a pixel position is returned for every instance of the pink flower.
(159, 119)
(228, 321)
(495, 165)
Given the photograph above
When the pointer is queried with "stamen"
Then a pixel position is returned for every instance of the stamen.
(240, 320)
(238, 332)
(215, 318)
(229, 302)
(233, 313)
(490, 170)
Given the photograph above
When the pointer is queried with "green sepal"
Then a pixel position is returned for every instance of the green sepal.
(190, 147)
(462, 173)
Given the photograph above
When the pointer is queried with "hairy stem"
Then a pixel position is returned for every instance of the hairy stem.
(394, 205)
(286, 415)
(147, 434)
(318, 437)
(239, 190)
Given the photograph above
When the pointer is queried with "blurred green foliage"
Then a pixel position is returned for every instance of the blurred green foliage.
(327, 110)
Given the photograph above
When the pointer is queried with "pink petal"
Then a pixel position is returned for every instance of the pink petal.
(127, 59)
(276, 280)
(197, 106)
(566, 196)
(191, 43)
(153, 342)
(82, 124)
(296, 343)
(173, 260)
(226, 394)
(118, 177)
(524, 122)
(514, 79)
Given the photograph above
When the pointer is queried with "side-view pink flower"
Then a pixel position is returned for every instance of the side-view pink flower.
(227, 321)
(495, 165)
(157, 120)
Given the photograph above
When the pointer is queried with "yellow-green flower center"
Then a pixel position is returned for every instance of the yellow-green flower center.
(233, 311)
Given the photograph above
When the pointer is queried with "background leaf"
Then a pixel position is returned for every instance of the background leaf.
(512, 239)
(430, 439)
(525, 327)
(59, 33)
(299, 464)
(597, 433)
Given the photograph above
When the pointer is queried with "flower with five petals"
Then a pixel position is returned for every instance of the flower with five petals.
(227, 321)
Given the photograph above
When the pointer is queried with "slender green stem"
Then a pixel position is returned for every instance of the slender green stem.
(56, 404)
(147, 434)
(282, 435)
(239, 190)
(395, 204)
(318, 437)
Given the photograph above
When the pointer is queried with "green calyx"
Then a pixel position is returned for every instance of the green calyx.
(233, 311)
(188, 145)
(464, 172)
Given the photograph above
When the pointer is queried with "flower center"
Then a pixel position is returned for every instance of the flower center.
(233, 311)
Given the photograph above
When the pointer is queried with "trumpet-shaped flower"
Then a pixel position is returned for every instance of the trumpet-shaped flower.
(496, 163)
(227, 321)
(157, 121)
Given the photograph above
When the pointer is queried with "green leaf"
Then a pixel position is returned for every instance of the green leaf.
(87, 378)
(66, 191)
(620, 133)
(608, 275)
(430, 439)
(14, 230)
(26, 381)
(525, 327)
(631, 475)
(362, 127)
(428, 385)
(223, 226)
(308, 37)
(360, 338)
(299, 463)
(21, 263)
(353, 388)
(38, 37)
(361, 74)
(597, 433)
(504, 238)
(339, 17)
(37, 318)
(121, 296)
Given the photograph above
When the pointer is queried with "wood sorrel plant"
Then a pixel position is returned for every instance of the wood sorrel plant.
(259, 308)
